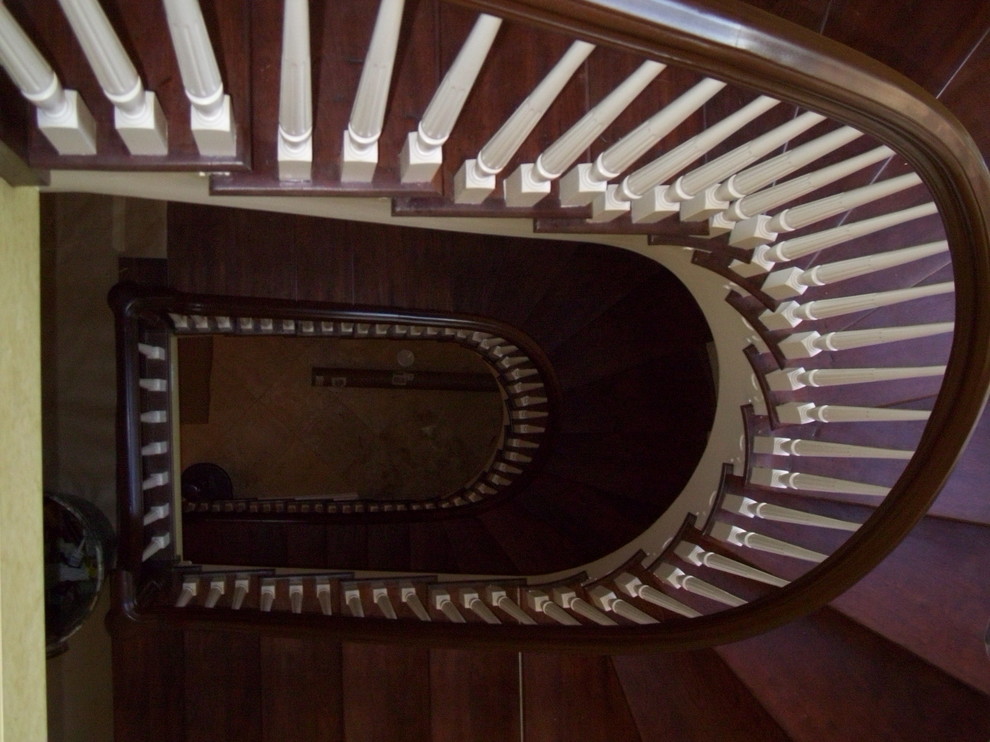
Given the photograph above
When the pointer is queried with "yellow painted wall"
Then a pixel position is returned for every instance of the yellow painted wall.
(22, 608)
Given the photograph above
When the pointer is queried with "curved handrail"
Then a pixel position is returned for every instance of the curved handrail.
(750, 48)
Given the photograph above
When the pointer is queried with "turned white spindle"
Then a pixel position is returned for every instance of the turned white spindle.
(352, 599)
(295, 102)
(608, 602)
(137, 115)
(475, 180)
(156, 513)
(758, 542)
(217, 588)
(155, 545)
(189, 589)
(409, 597)
(792, 379)
(539, 602)
(636, 588)
(790, 480)
(751, 210)
(778, 446)
(266, 599)
(324, 596)
(763, 174)
(360, 150)
(765, 256)
(241, 587)
(499, 597)
(797, 217)
(791, 314)
(582, 183)
(750, 508)
(296, 596)
(380, 597)
(210, 116)
(530, 182)
(799, 413)
(62, 115)
(694, 554)
(808, 344)
(644, 187)
(443, 603)
(472, 601)
(568, 599)
(789, 282)
(678, 578)
(690, 188)
(422, 154)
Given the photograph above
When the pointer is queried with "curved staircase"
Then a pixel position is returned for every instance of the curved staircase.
(837, 247)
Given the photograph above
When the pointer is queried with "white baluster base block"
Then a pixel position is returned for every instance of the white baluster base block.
(471, 184)
(578, 187)
(295, 160)
(418, 165)
(73, 131)
(358, 160)
(654, 206)
(523, 190)
(144, 134)
(216, 136)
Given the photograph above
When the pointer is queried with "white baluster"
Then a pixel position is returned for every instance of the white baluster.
(158, 479)
(676, 577)
(808, 344)
(153, 385)
(475, 180)
(789, 282)
(352, 599)
(241, 586)
(295, 107)
(567, 598)
(749, 508)
(472, 601)
(190, 587)
(644, 187)
(157, 448)
(762, 229)
(137, 115)
(155, 545)
(792, 480)
(443, 603)
(210, 115)
(690, 189)
(360, 151)
(797, 378)
(633, 586)
(758, 542)
(217, 587)
(155, 417)
(324, 595)
(539, 602)
(379, 594)
(799, 413)
(759, 176)
(422, 154)
(582, 183)
(607, 601)
(296, 596)
(530, 182)
(409, 596)
(694, 554)
(156, 513)
(151, 352)
(756, 205)
(62, 115)
(267, 597)
(791, 314)
(499, 597)
(778, 446)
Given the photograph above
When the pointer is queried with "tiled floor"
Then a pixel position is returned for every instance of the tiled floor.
(277, 435)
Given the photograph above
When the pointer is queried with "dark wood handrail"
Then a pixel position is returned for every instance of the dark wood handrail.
(750, 48)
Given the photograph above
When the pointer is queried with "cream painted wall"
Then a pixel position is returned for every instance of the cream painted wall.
(22, 608)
